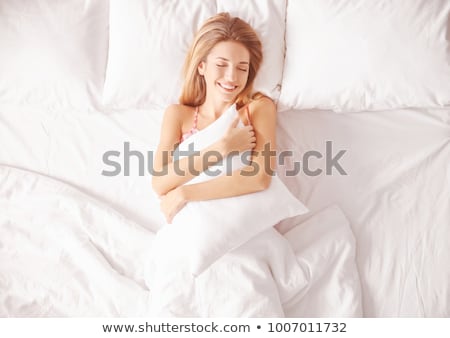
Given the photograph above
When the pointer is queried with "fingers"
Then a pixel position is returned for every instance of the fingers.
(251, 133)
(169, 211)
(243, 138)
(162, 206)
(169, 217)
(248, 130)
(250, 137)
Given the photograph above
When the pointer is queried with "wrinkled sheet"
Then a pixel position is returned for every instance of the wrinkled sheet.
(251, 281)
(64, 253)
(309, 272)
(395, 197)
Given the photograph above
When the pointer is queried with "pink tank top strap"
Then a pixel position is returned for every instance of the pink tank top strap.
(248, 114)
(193, 129)
(195, 119)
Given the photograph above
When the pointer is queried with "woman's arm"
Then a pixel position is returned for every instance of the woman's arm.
(252, 178)
(174, 174)
(263, 117)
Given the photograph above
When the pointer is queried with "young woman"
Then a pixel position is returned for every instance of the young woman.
(219, 71)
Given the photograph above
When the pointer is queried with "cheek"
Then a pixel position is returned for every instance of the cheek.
(244, 78)
(213, 75)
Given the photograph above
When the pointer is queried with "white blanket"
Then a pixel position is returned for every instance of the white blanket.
(255, 280)
(63, 253)
(266, 278)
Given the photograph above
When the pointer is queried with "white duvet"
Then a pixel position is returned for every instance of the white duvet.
(309, 272)
(64, 253)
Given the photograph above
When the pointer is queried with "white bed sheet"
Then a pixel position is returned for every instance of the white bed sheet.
(64, 253)
(395, 196)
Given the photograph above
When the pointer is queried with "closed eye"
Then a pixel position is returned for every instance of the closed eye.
(242, 69)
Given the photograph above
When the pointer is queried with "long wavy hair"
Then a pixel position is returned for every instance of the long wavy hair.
(220, 27)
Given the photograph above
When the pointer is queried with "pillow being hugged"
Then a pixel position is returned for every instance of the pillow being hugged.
(366, 55)
(214, 227)
(203, 231)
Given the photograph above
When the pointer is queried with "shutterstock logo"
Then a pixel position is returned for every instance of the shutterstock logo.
(120, 162)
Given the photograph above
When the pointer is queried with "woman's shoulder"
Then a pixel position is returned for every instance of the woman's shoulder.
(178, 112)
(262, 101)
(178, 108)
(261, 105)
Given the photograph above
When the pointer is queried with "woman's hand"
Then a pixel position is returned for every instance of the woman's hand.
(238, 139)
(172, 203)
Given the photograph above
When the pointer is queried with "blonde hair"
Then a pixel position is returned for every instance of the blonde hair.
(221, 27)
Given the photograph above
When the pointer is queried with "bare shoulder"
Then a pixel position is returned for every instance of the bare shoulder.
(178, 109)
(263, 102)
(263, 106)
(264, 120)
(178, 114)
(173, 118)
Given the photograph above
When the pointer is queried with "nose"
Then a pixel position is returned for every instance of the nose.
(231, 74)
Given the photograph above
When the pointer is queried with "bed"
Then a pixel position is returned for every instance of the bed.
(363, 96)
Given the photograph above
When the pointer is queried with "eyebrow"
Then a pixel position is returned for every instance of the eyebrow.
(221, 58)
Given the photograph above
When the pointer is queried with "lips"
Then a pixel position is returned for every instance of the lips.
(227, 87)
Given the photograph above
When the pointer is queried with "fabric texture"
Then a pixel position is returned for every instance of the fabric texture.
(214, 227)
(143, 69)
(360, 55)
(53, 54)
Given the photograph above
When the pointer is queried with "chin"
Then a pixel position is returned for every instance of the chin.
(224, 97)
(227, 98)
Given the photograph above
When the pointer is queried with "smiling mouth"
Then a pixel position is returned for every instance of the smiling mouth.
(226, 87)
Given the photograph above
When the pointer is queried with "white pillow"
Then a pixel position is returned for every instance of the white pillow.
(53, 53)
(149, 41)
(267, 17)
(204, 231)
(215, 227)
(366, 55)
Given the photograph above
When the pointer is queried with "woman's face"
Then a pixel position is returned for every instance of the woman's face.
(225, 70)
